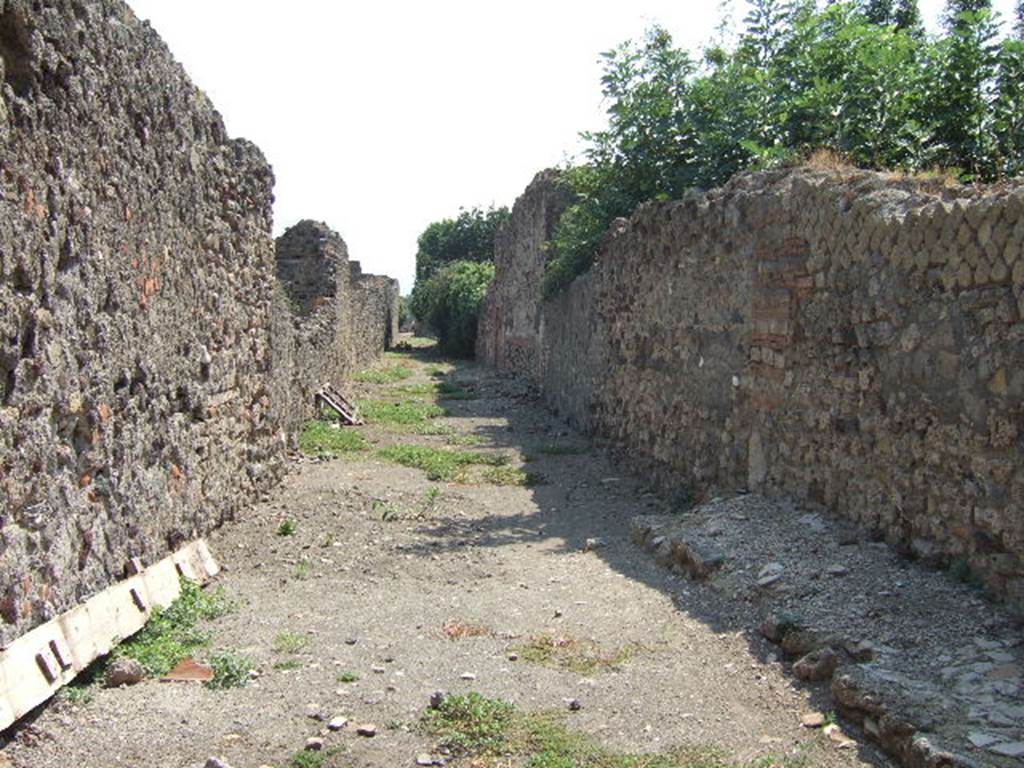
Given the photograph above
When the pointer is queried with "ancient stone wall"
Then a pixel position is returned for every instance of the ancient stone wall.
(139, 308)
(851, 340)
(330, 319)
(374, 307)
(511, 334)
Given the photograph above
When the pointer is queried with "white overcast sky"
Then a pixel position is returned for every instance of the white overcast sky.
(381, 117)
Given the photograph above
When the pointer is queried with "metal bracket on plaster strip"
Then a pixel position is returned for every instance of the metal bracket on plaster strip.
(38, 663)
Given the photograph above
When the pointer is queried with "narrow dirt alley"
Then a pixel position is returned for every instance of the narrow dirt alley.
(362, 587)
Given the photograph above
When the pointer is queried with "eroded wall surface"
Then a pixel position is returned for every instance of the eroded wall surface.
(849, 340)
(330, 319)
(139, 308)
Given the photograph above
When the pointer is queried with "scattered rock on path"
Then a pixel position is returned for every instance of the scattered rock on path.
(337, 723)
(125, 672)
(813, 720)
(215, 762)
(770, 574)
(437, 699)
(369, 730)
(817, 666)
(595, 543)
(314, 744)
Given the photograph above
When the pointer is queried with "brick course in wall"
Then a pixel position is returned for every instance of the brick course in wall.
(848, 339)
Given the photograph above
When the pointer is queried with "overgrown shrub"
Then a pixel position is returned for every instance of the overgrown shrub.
(860, 78)
(449, 301)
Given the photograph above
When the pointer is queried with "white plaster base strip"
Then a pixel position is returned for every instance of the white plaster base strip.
(36, 665)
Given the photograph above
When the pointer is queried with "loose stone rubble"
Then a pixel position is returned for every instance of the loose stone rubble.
(929, 667)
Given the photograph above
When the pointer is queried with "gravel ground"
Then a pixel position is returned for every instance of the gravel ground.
(377, 569)
(938, 652)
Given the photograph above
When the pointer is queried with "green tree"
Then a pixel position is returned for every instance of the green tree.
(879, 11)
(1009, 108)
(450, 300)
(907, 16)
(865, 92)
(964, 89)
(468, 237)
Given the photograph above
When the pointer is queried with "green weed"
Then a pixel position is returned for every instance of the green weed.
(510, 476)
(584, 657)
(290, 642)
(410, 413)
(455, 391)
(471, 724)
(438, 463)
(389, 510)
(287, 528)
(303, 569)
(348, 677)
(308, 758)
(561, 449)
(416, 390)
(230, 670)
(77, 694)
(171, 634)
(287, 664)
(387, 375)
(489, 732)
(465, 440)
(326, 439)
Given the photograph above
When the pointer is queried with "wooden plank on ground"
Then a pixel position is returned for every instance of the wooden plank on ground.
(40, 662)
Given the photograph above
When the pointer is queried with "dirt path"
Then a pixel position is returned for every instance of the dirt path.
(378, 566)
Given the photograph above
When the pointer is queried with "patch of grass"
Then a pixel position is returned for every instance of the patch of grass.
(171, 634)
(308, 758)
(584, 657)
(348, 677)
(410, 413)
(431, 428)
(77, 694)
(438, 463)
(327, 439)
(454, 390)
(230, 670)
(389, 510)
(510, 476)
(438, 371)
(471, 725)
(465, 440)
(489, 732)
(290, 642)
(416, 342)
(561, 449)
(416, 390)
(387, 375)
(287, 528)
(303, 569)
(287, 664)
(460, 630)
